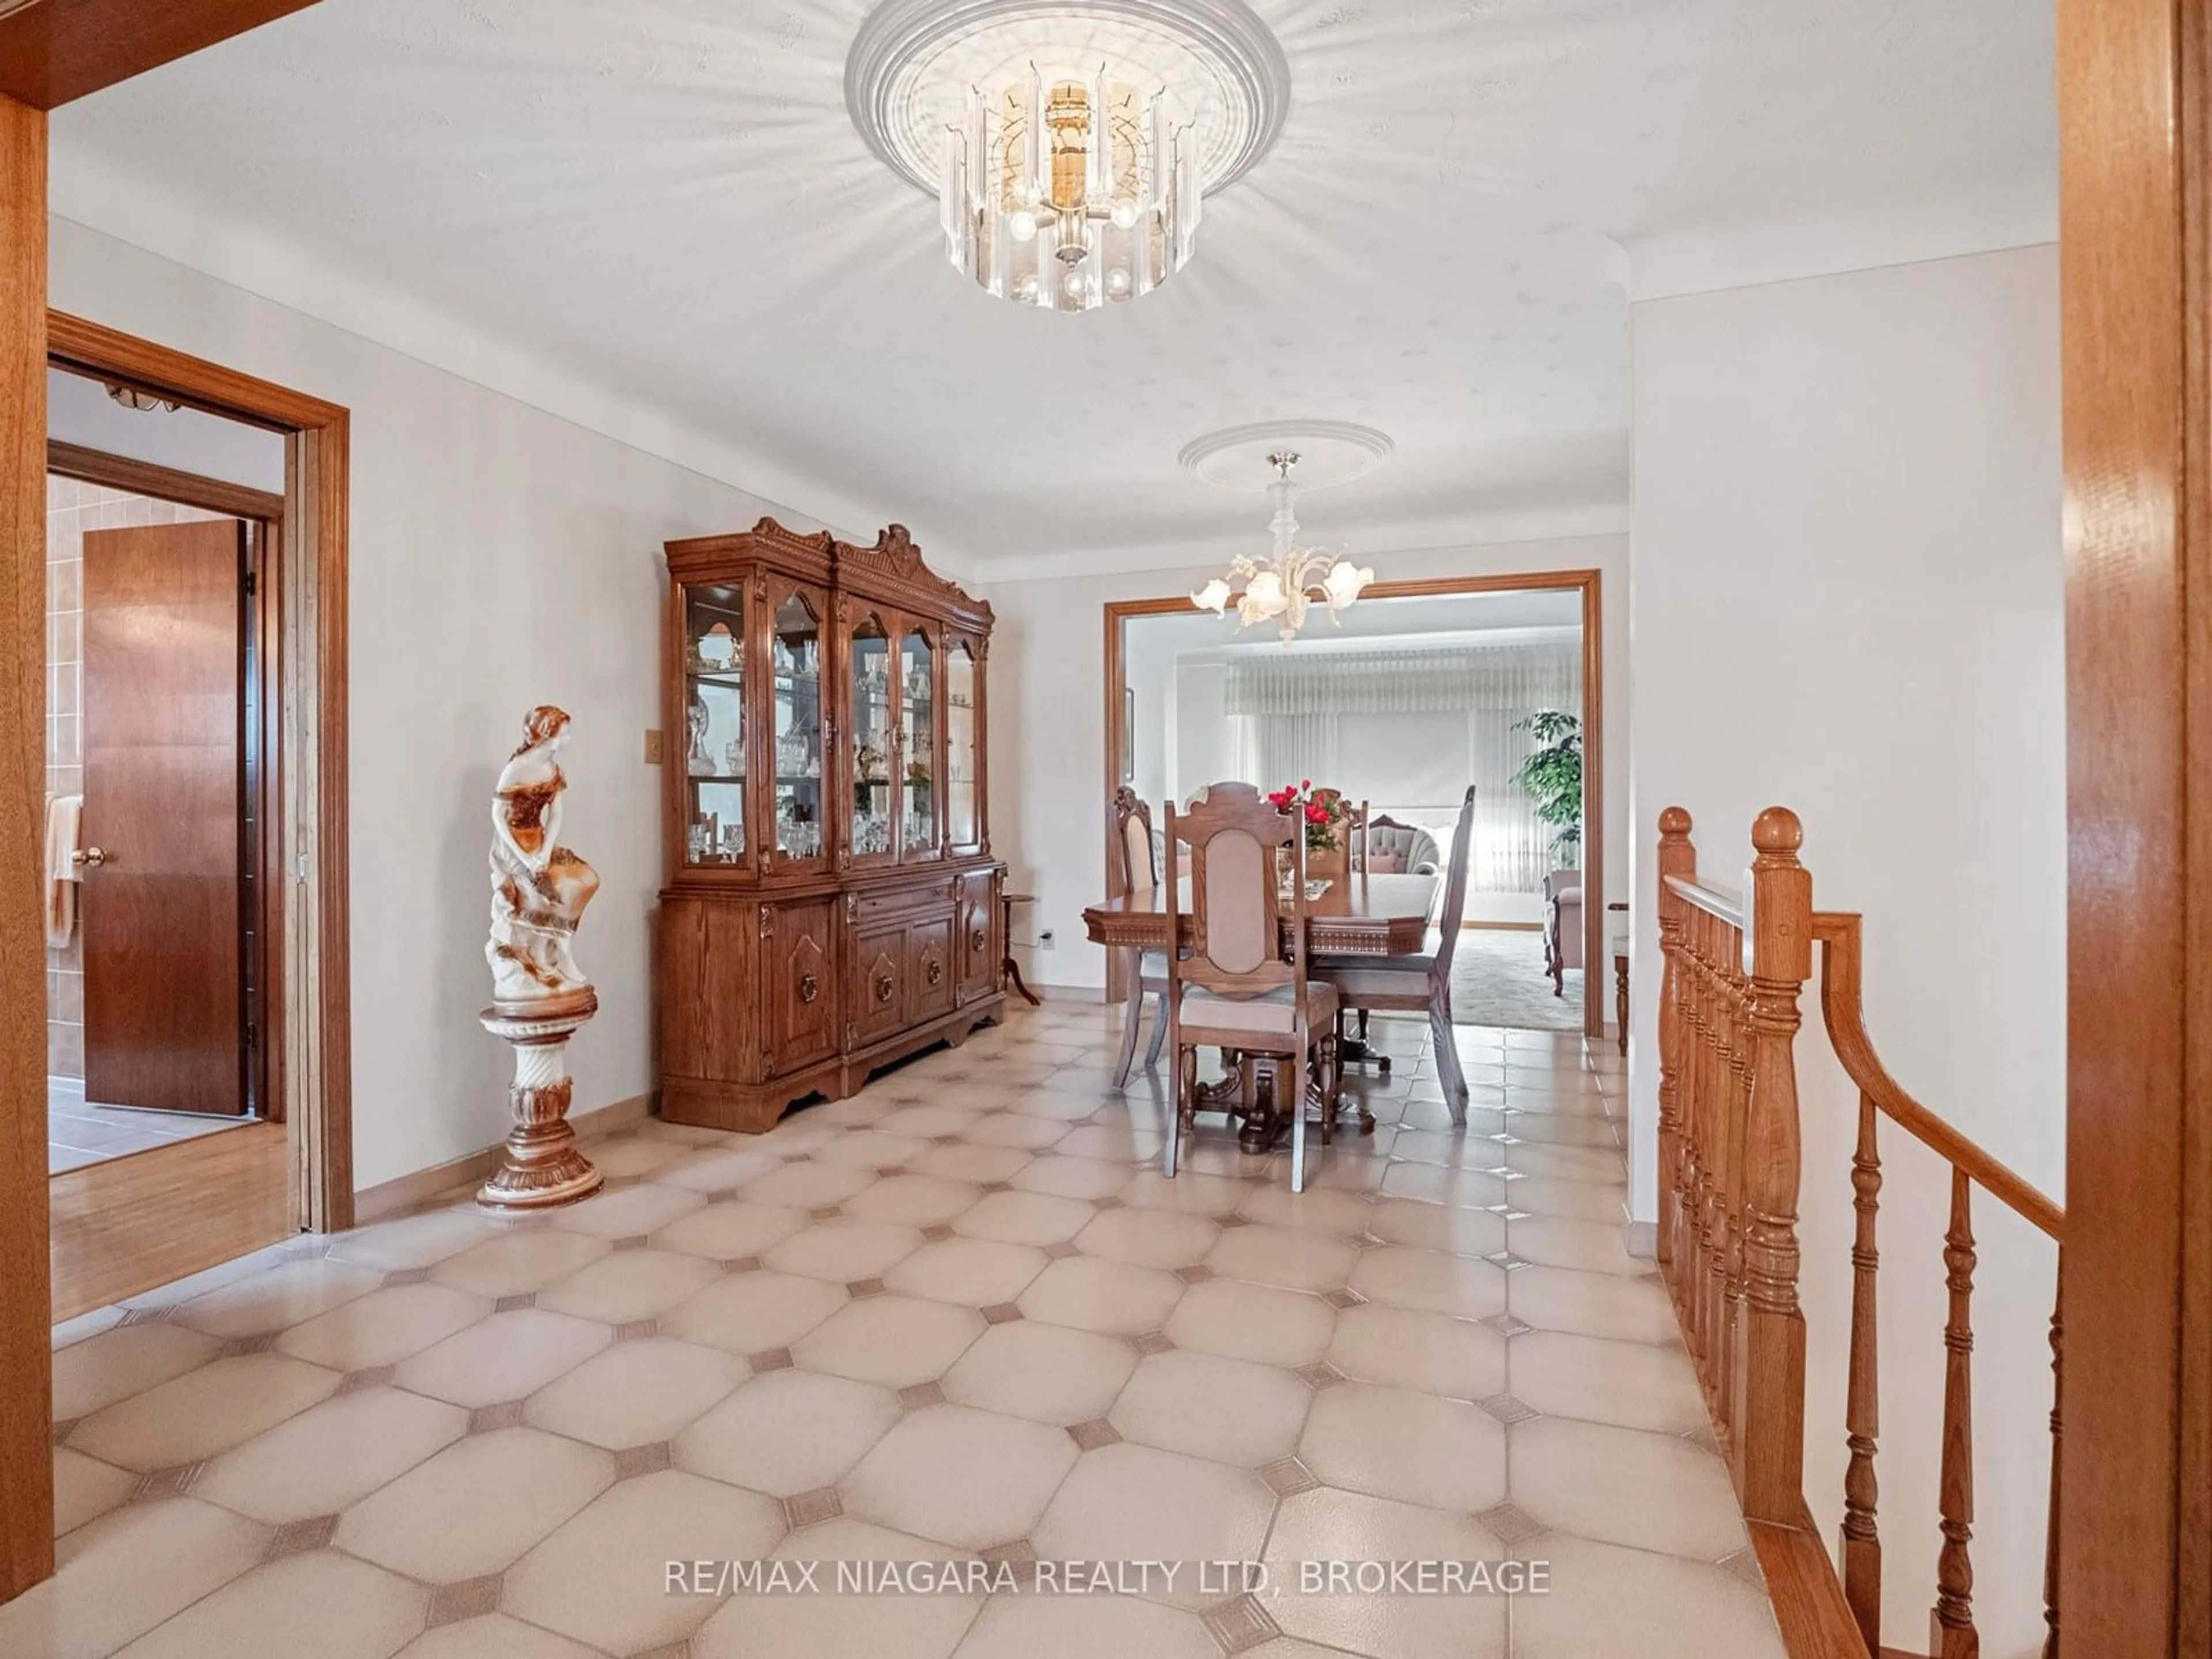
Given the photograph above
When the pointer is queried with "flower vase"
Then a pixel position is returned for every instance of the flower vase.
(1326, 863)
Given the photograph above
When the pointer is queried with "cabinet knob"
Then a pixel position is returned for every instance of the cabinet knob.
(90, 857)
(935, 971)
(978, 939)
(883, 988)
(809, 987)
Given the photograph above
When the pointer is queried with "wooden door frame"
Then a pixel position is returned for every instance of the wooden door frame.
(2135, 1280)
(303, 592)
(266, 511)
(1588, 584)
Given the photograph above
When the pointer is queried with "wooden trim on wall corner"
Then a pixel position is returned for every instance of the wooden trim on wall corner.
(26, 1507)
(410, 1192)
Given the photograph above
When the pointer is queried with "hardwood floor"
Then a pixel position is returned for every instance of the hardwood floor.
(133, 1223)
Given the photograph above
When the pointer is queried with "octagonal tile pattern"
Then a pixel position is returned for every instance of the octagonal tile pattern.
(960, 1315)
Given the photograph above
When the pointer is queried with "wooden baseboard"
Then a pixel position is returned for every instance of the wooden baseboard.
(1501, 927)
(408, 1191)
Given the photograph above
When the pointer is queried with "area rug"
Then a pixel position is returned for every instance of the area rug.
(1498, 979)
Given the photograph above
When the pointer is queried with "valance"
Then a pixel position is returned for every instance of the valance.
(1529, 675)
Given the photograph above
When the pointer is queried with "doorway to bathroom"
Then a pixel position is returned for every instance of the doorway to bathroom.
(194, 844)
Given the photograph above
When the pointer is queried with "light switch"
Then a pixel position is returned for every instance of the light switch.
(652, 748)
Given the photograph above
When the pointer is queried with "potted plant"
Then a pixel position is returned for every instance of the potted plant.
(1323, 811)
(1552, 776)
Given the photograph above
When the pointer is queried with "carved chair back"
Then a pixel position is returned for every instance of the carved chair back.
(1132, 835)
(1237, 910)
(1455, 905)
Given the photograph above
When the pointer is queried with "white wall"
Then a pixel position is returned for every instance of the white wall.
(1206, 738)
(1846, 598)
(501, 557)
(1047, 730)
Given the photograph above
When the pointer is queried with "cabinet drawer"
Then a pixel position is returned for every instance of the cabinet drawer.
(877, 990)
(931, 981)
(906, 902)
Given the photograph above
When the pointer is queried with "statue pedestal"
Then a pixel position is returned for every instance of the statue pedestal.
(540, 1167)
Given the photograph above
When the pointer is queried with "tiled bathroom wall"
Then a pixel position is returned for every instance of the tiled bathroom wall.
(72, 509)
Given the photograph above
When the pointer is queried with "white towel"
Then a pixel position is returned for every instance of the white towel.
(64, 824)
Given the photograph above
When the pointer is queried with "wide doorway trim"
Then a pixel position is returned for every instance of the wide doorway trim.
(1586, 584)
(310, 1068)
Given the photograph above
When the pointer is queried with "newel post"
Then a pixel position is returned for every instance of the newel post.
(1778, 936)
(1677, 858)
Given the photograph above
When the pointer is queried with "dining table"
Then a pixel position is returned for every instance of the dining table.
(1356, 916)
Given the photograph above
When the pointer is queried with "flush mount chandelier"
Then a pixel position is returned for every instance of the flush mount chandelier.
(1069, 143)
(1294, 579)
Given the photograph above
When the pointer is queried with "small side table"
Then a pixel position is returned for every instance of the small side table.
(1010, 968)
(1621, 980)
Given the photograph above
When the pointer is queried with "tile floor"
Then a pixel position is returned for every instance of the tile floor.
(79, 1133)
(960, 1315)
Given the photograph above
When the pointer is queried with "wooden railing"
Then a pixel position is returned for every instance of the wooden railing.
(1730, 1171)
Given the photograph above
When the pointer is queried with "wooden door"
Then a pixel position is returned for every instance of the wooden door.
(931, 981)
(877, 993)
(795, 762)
(920, 794)
(872, 739)
(164, 1016)
(801, 999)
(976, 930)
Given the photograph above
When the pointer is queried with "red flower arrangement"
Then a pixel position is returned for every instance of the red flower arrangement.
(1322, 809)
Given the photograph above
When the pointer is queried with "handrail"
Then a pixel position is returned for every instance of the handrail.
(1726, 903)
(1730, 1152)
(1838, 934)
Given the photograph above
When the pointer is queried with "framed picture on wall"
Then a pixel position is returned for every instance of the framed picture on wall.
(1128, 734)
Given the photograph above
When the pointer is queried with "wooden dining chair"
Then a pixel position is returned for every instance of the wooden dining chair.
(1146, 971)
(1416, 984)
(1233, 989)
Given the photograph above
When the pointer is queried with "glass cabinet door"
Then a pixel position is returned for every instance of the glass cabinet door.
(714, 724)
(874, 741)
(795, 669)
(964, 760)
(919, 761)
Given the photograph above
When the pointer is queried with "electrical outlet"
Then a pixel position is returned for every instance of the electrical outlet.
(1044, 939)
(652, 749)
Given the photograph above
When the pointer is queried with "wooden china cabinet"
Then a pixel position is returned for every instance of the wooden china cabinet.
(832, 903)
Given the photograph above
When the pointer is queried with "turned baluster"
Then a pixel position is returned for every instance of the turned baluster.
(1720, 1173)
(1739, 1082)
(1677, 857)
(1690, 1125)
(1698, 1126)
(2050, 1527)
(1773, 1349)
(1861, 1548)
(1952, 1632)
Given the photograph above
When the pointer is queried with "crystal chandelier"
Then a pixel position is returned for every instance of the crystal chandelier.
(1294, 578)
(1068, 192)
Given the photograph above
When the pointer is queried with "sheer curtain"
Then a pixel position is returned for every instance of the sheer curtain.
(1409, 731)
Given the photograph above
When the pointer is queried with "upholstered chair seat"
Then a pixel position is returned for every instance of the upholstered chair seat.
(1276, 1011)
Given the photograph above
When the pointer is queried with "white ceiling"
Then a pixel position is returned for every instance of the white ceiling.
(664, 201)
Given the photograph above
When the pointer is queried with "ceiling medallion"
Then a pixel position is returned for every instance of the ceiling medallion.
(1294, 579)
(1069, 142)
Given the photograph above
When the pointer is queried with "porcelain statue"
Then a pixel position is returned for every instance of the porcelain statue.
(539, 889)
(540, 998)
